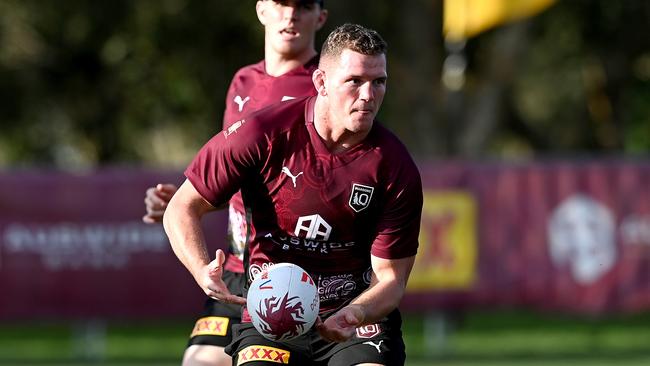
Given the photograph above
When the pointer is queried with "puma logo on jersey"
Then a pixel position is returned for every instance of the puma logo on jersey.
(286, 171)
(377, 346)
(240, 102)
(286, 97)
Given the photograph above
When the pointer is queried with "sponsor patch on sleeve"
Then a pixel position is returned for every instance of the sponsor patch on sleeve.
(211, 325)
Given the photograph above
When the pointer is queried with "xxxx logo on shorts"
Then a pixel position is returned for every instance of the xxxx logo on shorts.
(263, 353)
(368, 331)
(211, 325)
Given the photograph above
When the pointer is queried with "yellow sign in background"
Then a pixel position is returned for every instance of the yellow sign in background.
(447, 256)
(466, 18)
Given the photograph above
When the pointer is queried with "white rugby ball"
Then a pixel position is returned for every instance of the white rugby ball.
(283, 302)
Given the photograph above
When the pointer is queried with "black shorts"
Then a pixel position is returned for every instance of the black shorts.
(214, 327)
(380, 343)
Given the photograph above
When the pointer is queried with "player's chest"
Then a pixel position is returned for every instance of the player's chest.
(304, 183)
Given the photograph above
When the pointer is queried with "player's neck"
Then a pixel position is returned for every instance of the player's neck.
(336, 138)
(278, 64)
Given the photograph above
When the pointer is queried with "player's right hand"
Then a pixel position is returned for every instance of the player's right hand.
(342, 325)
(156, 200)
(213, 284)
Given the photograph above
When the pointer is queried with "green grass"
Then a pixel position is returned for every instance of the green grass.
(524, 338)
(492, 338)
(119, 343)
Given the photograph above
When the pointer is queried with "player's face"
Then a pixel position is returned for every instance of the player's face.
(356, 85)
(290, 26)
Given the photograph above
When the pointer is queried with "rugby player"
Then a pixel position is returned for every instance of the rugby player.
(290, 57)
(324, 186)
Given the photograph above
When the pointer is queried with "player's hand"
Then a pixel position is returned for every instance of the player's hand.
(212, 282)
(156, 200)
(342, 325)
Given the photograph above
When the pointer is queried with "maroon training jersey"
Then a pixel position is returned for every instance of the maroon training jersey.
(252, 89)
(324, 212)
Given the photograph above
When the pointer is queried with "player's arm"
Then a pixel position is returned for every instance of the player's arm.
(386, 289)
(182, 222)
(384, 294)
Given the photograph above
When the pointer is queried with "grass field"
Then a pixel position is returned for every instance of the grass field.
(476, 338)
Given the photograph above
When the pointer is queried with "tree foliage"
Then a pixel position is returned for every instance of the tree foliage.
(86, 83)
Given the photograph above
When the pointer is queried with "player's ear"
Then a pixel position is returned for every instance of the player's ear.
(318, 78)
(260, 9)
(322, 18)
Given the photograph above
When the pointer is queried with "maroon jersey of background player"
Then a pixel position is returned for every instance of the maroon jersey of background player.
(252, 89)
(319, 210)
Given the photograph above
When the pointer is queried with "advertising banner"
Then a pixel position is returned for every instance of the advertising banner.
(74, 246)
(570, 236)
(567, 236)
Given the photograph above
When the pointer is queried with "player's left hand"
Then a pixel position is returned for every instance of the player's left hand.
(213, 284)
(342, 325)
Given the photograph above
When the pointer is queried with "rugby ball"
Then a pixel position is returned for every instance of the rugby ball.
(283, 302)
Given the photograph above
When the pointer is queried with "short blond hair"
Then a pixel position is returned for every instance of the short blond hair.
(353, 37)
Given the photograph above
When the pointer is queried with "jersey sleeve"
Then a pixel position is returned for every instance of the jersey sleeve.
(399, 224)
(221, 166)
(229, 115)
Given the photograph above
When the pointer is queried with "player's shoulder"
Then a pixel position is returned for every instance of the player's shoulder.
(385, 140)
(392, 150)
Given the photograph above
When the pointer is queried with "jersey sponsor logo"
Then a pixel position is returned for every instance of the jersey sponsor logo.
(240, 102)
(360, 197)
(263, 353)
(313, 227)
(233, 128)
(211, 325)
(286, 171)
(290, 242)
(368, 331)
(376, 345)
(287, 97)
